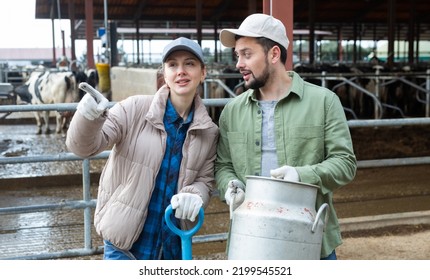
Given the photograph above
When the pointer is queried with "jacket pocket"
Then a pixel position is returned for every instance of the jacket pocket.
(238, 147)
(307, 144)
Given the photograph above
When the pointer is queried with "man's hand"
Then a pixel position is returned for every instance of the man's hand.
(286, 172)
(235, 193)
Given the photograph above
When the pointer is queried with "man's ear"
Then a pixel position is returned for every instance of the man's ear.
(275, 53)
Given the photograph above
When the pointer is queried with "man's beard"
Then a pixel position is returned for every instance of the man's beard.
(259, 82)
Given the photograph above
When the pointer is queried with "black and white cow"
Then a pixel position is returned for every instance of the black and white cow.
(45, 87)
(51, 88)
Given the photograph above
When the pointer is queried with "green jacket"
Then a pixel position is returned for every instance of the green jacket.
(312, 135)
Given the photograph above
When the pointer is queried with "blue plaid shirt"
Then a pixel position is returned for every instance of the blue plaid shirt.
(157, 241)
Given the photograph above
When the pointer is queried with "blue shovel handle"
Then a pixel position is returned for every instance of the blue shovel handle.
(185, 235)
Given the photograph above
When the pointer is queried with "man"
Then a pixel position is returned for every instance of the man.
(282, 126)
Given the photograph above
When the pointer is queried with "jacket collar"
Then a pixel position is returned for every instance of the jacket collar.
(296, 84)
(158, 106)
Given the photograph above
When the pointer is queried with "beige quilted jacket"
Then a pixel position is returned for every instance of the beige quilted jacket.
(134, 129)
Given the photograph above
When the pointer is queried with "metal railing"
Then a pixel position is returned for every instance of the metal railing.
(87, 203)
(352, 80)
(381, 79)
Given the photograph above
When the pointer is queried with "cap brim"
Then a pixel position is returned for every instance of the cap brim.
(227, 36)
(182, 48)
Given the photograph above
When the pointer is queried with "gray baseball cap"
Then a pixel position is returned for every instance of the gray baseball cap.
(257, 25)
(183, 44)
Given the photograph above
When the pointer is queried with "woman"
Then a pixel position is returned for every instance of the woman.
(163, 151)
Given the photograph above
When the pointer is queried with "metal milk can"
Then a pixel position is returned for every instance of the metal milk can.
(277, 221)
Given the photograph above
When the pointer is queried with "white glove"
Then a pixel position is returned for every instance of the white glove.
(89, 107)
(286, 172)
(187, 205)
(235, 193)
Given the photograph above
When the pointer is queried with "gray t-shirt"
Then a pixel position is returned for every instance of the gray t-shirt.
(269, 159)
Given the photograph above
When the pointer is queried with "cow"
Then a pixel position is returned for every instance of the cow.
(23, 93)
(314, 75)
(46, 87)
(92, 79)
(358, 95)
(403, 96)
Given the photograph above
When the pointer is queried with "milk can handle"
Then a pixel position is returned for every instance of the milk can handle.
(231, 206)
(318, 217)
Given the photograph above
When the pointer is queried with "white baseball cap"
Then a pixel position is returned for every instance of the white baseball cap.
(257, 25)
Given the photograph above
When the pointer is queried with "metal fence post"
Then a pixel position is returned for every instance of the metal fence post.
(377, 85)
(86, 183)
(323, 79)
(428, 93)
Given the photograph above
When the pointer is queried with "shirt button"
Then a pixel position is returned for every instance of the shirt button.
(259, 112)
(257, 143)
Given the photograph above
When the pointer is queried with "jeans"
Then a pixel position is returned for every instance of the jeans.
(330, 257)
(113, 253)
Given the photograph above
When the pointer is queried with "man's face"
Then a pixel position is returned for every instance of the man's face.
(252, 62)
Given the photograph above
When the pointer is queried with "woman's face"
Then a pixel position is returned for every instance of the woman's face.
(183, 73)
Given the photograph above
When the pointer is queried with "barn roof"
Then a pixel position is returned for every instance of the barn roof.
(369, 18)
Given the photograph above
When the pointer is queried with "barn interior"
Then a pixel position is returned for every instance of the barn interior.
(393, 149)
(403, 21)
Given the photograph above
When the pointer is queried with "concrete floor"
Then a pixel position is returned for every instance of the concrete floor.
(373, 192)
